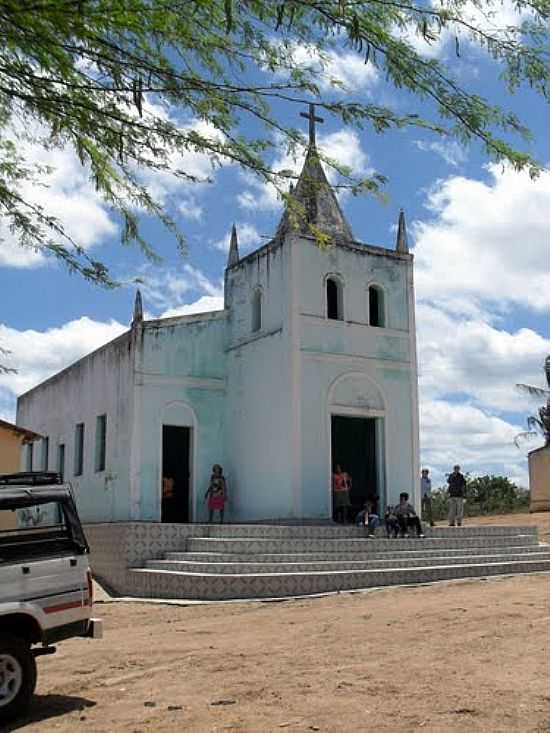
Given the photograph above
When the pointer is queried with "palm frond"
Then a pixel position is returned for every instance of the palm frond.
(528, 435)
(533, 391)
(534, 423)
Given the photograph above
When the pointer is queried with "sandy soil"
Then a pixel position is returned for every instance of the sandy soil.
(463, 656)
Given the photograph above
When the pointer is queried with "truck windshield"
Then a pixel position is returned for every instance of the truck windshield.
(35, 530)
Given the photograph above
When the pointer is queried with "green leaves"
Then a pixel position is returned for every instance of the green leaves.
(119, 81)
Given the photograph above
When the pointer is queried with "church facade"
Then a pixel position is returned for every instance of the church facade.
(311, 363)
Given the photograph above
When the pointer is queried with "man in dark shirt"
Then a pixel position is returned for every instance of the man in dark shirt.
(457, 492)
(406, 516)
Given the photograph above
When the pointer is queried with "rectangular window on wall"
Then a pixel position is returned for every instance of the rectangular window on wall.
(28, 457)
(79, 449)
(61, 460)
(100, 442)
(45, 453)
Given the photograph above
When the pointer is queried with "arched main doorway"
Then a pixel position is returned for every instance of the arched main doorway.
(357, 438)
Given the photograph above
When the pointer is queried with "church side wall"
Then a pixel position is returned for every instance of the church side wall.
(259, 414)
(180, 381)
(99, 384)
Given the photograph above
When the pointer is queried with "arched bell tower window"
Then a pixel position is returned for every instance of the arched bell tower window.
(376, 306)
(257, 310)
(335, 310)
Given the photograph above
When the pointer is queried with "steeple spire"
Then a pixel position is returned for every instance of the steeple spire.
(233, 256)
(313, 206)
(138, 309)
(402, 244)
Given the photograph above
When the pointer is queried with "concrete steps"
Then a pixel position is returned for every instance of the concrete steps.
(166, 584)
(220, 557)
(262, 561)
(253, 568)
(334, 531)
(272, 545)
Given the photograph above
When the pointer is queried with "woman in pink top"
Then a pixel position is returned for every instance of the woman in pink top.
(341, 486)
(216, 494)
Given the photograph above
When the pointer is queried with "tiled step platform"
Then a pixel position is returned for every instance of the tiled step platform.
(276, 561)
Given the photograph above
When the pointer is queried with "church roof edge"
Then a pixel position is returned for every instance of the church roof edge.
(353, 244)
(188, 318)
(125, 336)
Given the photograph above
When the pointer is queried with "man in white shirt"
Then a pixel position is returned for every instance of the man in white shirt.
(426, 494)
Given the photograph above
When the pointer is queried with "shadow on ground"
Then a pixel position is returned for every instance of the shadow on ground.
(46, 707)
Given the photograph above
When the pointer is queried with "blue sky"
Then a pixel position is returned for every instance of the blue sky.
(479, 231)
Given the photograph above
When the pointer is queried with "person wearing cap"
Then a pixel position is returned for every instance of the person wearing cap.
(426, 494)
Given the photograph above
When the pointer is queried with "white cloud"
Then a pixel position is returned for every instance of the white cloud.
(487, 241)
(496, 22)
(478, 256)
(164, 184)
(38, 355)
(464, 355)
(464, 434)
(7, 404)
(335, 68)
(190, 209)
(452, 152)
(66, 193)
(247, 235)
(343, 146)
(165, 289)
(202, 305)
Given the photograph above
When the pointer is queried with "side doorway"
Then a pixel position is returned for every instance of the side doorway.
(176, 474)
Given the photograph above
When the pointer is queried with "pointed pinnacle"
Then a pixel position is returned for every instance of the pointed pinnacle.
(233, 256)
(138, 308)
(402, 244)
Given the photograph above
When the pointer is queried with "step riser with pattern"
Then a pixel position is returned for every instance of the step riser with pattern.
(161, 584)
(364, 554)
(332, 531)
(305, 567)
(247, 545)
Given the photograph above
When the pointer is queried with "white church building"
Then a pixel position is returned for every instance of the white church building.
(311, 363)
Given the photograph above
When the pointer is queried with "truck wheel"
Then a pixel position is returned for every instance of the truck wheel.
(17, 676)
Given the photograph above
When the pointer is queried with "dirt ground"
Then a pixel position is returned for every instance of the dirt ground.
(462, 656)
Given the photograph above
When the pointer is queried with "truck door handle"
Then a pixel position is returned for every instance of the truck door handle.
(73, 562)
(25, 570)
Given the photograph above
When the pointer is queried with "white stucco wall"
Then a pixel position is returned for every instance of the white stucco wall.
(259, 411)
(180, 380)
(279, 382)
(374, 368)
(101, 383)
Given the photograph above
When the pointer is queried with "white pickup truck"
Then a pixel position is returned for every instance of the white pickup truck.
(45, 581)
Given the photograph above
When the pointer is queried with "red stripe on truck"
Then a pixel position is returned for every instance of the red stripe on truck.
(63, 607)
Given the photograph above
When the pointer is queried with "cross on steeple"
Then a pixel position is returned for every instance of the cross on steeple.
(312, 120)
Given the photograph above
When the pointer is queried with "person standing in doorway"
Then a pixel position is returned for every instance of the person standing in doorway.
(341, 486)
(426, 494)
(169, 508)
(457, 492)
(216, 494)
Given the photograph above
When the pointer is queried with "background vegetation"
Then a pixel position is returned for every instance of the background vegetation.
(484, 495)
